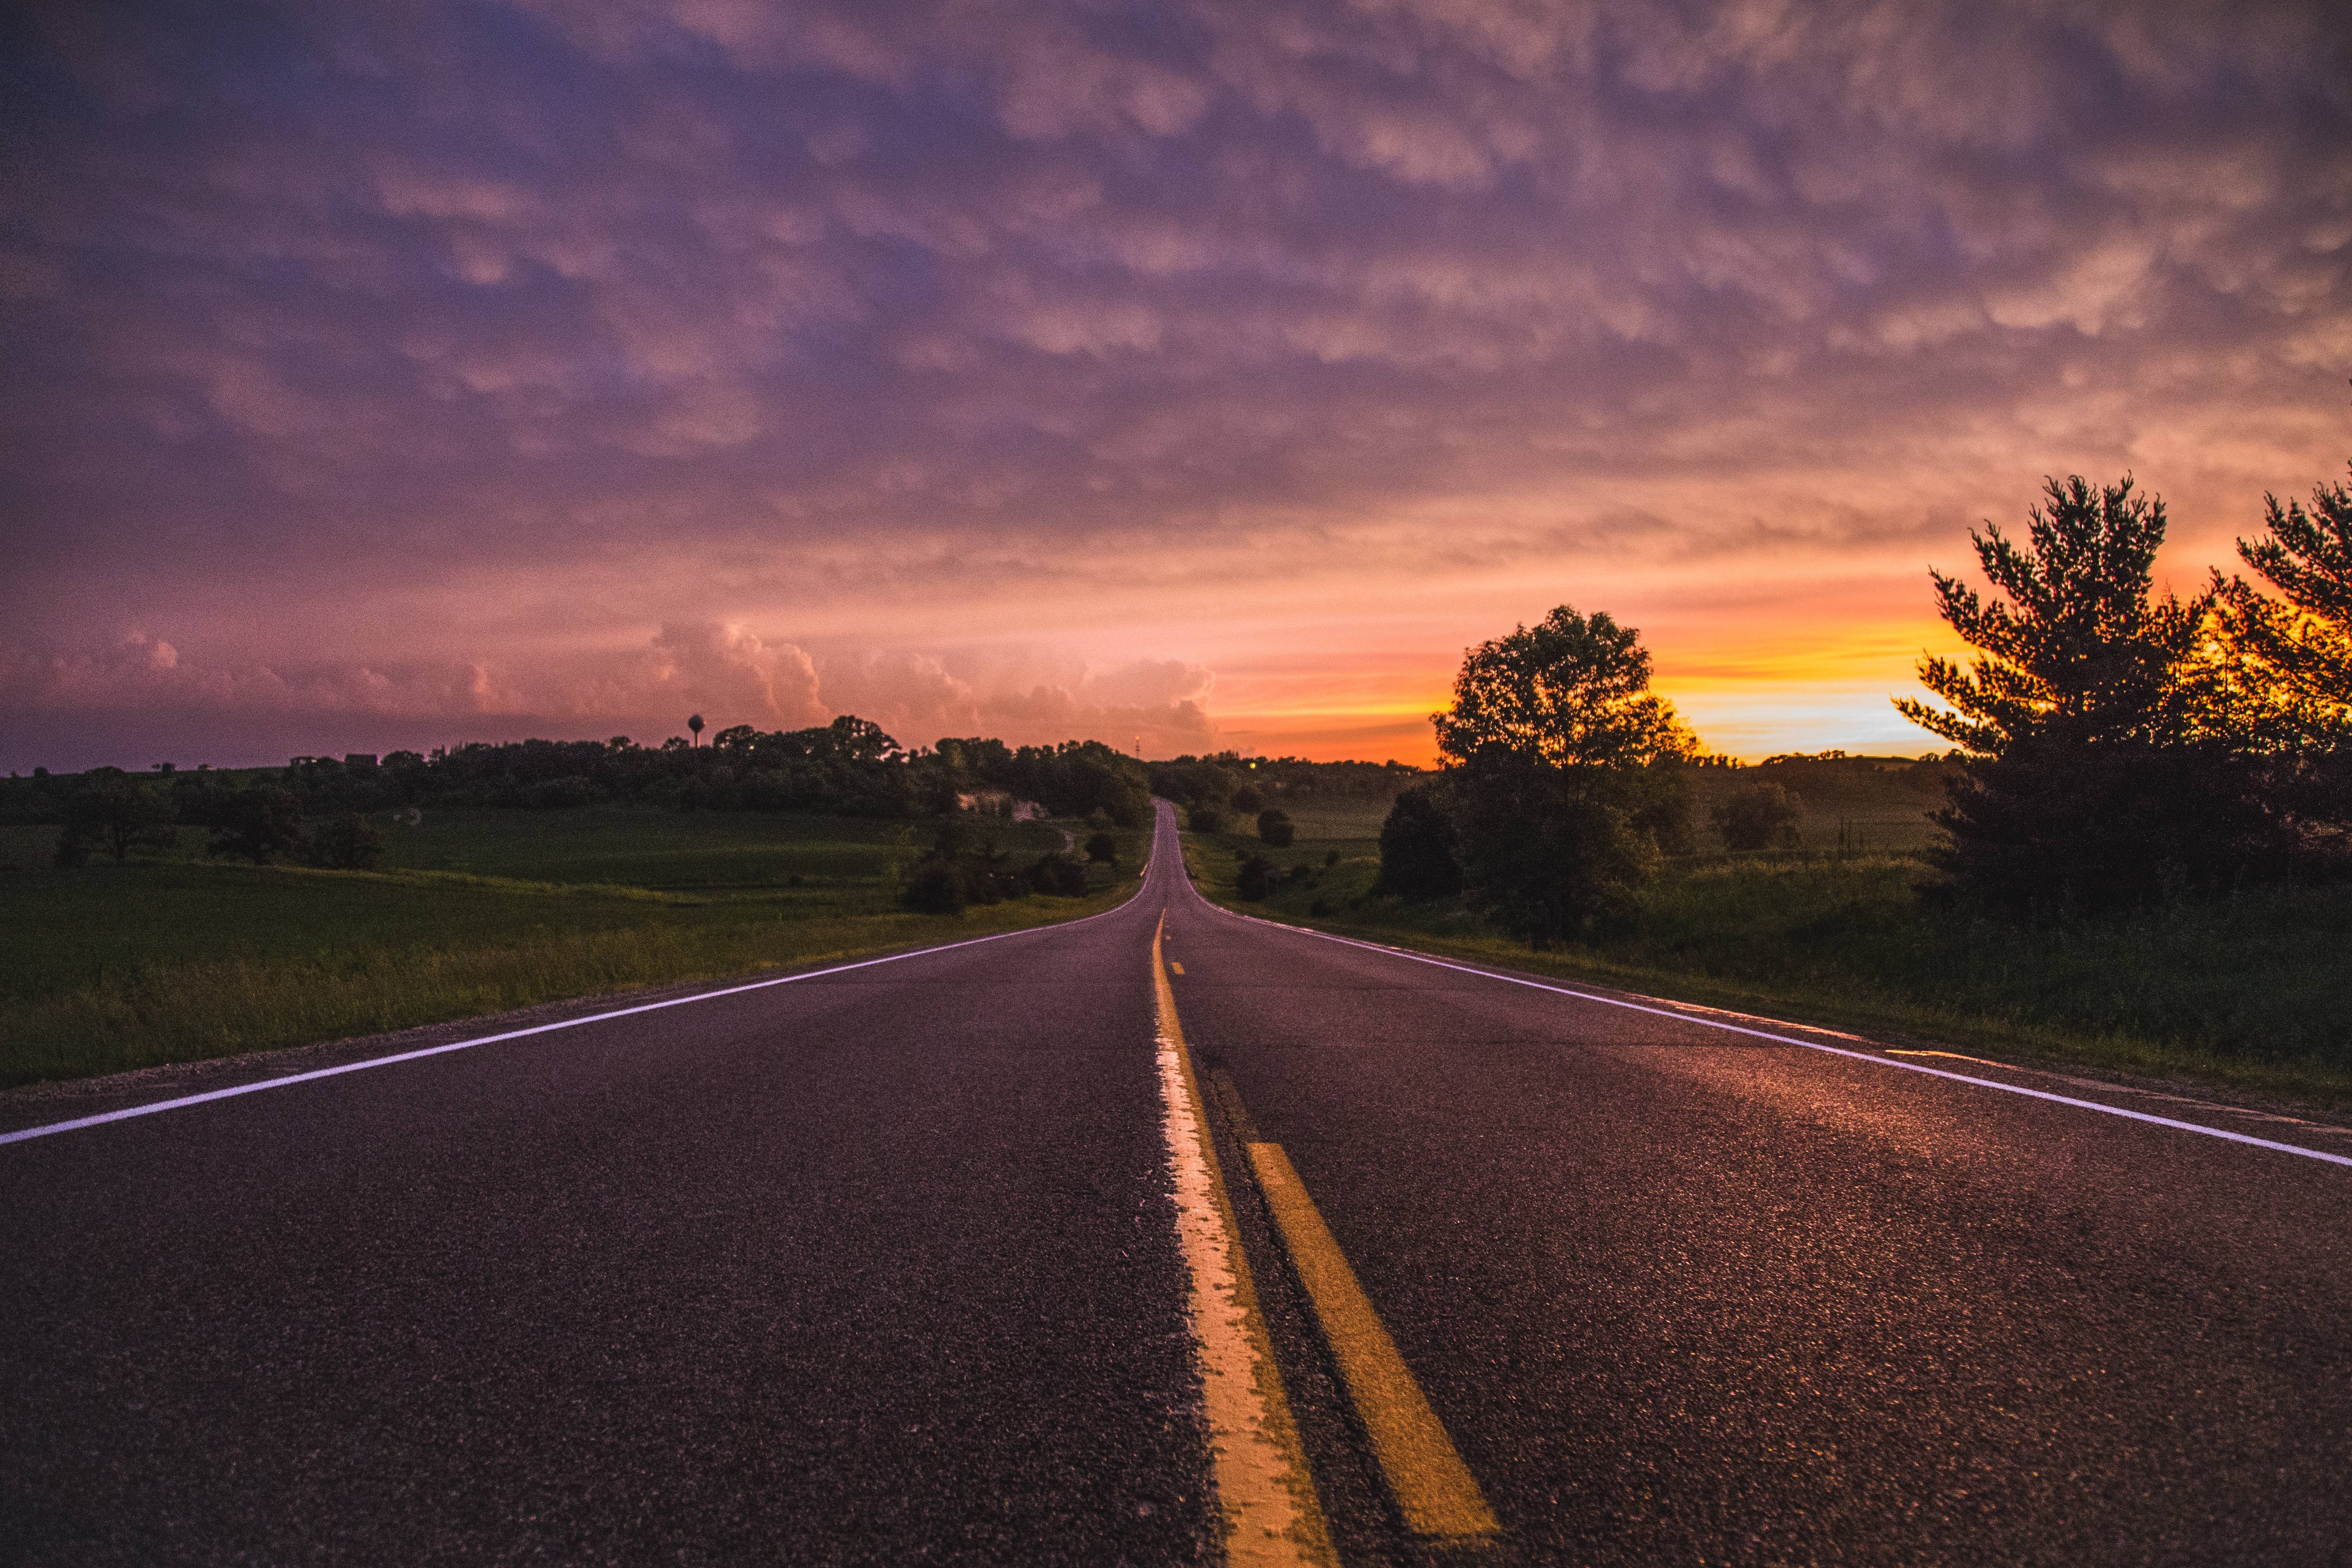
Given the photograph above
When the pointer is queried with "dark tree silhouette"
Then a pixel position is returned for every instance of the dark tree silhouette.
(2098, 774)
(1421, 852)
(2306, 635)
(1566, 780)
(1275, 828)
(257, 823)
(117, 813)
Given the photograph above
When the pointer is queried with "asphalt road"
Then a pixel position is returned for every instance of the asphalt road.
(882, 1266)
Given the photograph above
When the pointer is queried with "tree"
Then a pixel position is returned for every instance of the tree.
(1274, 830)
(257, 823)
(2097, 774)
(1102, 847)
(1757, 816)
(348, 842)
(117, 813)
(2306, 635)
(1565, 781)
(1421, 852)
(1206, 818)
(1568, 693)
(693, 723)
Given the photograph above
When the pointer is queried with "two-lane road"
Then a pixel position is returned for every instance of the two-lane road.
(886, 1265)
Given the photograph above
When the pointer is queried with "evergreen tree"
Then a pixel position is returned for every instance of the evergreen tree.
(2305, 635)
(2099, 774)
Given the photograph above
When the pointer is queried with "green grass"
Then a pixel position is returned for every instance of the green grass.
(113, 967)
(2248, 993)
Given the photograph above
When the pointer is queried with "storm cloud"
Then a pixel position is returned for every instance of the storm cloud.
(1187, 370)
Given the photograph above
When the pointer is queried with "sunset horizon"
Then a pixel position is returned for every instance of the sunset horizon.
(1186, 377)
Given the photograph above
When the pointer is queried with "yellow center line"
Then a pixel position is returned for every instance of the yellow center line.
(1433, 1488)
(1257, 1466)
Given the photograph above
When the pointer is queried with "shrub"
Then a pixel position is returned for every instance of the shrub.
(1207, 818)
(1060, 876)
(1274, 828)
(936, 888)
(1102, 847)
(1757, 816)
(1247, 800)
(1255, 879)
(350, 843)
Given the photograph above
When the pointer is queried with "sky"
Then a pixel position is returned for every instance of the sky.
(1187, 375)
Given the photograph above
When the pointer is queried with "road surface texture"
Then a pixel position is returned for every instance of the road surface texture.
(886, 1265)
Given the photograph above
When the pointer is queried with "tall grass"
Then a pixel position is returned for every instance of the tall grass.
(135, 966)
(2249, 992)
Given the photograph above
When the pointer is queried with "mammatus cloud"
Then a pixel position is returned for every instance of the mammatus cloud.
(361, 352)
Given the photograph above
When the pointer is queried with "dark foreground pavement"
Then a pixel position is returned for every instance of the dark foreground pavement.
(880, 1266)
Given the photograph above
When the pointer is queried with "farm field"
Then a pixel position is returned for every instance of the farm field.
(474, 911)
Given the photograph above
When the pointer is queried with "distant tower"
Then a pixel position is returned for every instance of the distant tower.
(1138, 747)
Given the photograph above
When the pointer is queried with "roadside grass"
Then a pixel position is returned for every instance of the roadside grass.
(2249, 993)
(179, 959)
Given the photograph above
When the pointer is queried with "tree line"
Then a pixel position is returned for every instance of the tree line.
(2114, 747)
(330, 812)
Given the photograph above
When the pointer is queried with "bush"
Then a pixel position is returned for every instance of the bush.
(1207, 818)
(350, 843)
(1757, 817)
(1060, 876)
(1274, 828)
(1255, 879)
(1247, 800)
(936, 888)
(1421, 851)
(1102, 847)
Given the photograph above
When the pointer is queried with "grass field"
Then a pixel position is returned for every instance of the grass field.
(2249, 992)
(474, 911)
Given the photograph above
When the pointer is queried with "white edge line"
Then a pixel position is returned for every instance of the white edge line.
(22, 1134)
(2129, 1115)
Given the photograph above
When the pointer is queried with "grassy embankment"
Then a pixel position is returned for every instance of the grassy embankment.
(2249, 993)
(474, 911)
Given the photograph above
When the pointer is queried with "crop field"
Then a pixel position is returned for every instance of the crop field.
(473, 912)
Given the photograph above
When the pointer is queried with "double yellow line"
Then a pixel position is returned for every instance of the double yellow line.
(1434, 1490)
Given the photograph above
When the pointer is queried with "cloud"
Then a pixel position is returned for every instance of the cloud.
(499, 335)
